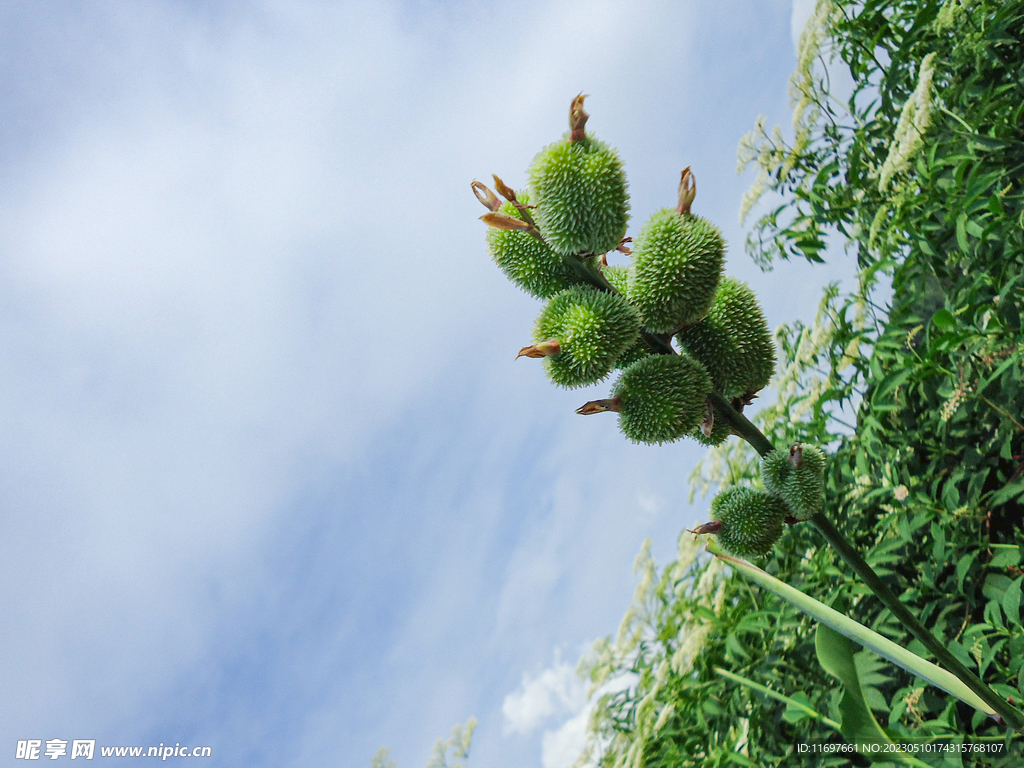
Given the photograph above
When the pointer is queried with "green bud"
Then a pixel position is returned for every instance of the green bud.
(798, 477)
(579, 188)
(592, 329)
(677, 263)
(733, 341)
(751, 521)
(527, 261)
(660, 398)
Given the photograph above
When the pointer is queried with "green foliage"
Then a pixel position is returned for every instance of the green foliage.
(593, 329)
(857, 723)
(677, 264)
(662, 398)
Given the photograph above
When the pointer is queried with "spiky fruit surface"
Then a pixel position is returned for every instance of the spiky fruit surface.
(733, 341)
(677, 263)
(663, 398)
(526, 261)
(798, 477)
(579, 188)
(593, 329)
(751, 521)
(618, 276)
(638, 351)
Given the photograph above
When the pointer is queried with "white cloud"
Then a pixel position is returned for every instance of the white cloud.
(562, 747)
(555, 691)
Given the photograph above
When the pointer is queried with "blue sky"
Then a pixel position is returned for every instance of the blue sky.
(271, 480)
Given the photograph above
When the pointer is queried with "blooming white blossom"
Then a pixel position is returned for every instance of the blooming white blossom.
(915, 118)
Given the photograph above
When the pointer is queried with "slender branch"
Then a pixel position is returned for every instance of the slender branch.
(743, 427)
(996, 407)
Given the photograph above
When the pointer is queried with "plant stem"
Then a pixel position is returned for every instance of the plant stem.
(743, 427)
(805, 708)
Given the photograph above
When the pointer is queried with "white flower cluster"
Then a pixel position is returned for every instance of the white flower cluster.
(608, 660)
(915, 118)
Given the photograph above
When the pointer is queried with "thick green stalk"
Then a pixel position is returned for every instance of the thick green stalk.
(741, 425)
(1011, 716)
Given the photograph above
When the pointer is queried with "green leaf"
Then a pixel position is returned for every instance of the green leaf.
(1004, 556)
(944, 320)
(1011, 601)
(1007, 492)
(871, 640)
(798, 706)
(858, 724)
(939, 547)
(961, 233)
(962, 567)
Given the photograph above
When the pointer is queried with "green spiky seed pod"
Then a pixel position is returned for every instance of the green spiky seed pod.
(527, 261)
(751, 521)
(775, 469)
(579, 188)
(592, 328)
(661, 398)
(733, 341)
(798, 477)
(677, 263)
(618, 276)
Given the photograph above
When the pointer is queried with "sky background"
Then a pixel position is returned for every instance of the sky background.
(271, 480)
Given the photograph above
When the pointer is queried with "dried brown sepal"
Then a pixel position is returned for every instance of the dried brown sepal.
(503, 189)
(541, 349)
(709, 420)
(600, 406)
(713, 527)
(577, 119)
(796, 455)
(623, 248)
(687, 191)
(487, 198)
(504, 221)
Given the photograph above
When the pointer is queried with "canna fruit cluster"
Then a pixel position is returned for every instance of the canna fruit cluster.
(669, 320)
